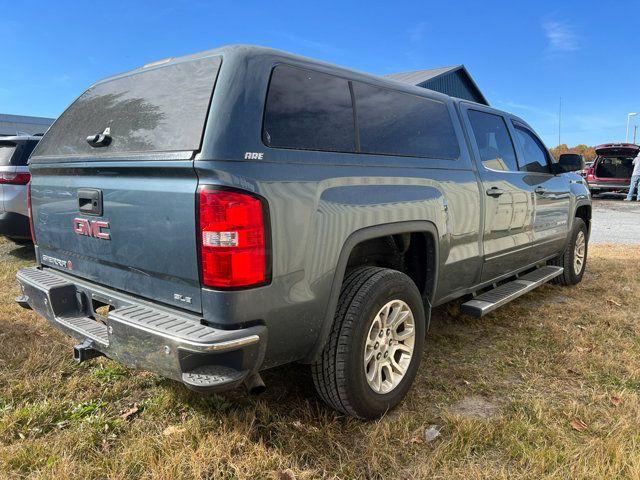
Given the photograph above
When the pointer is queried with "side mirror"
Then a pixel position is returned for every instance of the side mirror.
(570, 162)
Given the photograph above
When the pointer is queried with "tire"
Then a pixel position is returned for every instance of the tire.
(572, 275)
(340, 374)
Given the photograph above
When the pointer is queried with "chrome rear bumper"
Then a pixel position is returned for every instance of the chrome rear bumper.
(144, 335)
(608, 186)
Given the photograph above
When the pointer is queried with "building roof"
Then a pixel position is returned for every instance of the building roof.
(5, 117)
(421, 78)
(21, 124)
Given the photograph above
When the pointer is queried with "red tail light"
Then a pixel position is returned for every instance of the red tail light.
(33, 231)
(15, 178)
(232, 239)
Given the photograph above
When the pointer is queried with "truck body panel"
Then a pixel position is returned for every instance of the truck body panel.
(482, 222)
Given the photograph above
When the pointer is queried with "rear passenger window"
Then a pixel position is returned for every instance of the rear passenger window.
(396, 123)
(6, 153)
(309, 111)
(23, 157)
(535, 154)
(493, 140)
(16, 154)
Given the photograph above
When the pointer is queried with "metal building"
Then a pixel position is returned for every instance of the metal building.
(20, 124)
(454, 81)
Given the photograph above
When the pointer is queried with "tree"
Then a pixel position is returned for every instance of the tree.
(589, 153)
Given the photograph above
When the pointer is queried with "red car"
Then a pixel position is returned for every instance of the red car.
(612, 168)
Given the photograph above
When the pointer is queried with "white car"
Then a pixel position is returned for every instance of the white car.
(14, 178)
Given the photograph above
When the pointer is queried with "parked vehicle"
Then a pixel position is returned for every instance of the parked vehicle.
(276, 209)
(585, 170)
(612, 168)
(14, 177)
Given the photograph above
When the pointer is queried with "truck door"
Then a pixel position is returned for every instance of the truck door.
(552, 192)
(509, 206)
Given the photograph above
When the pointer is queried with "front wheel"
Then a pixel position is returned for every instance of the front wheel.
(574, 258)
(376, 344)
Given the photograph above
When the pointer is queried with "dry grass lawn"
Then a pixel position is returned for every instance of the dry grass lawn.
(548, 386)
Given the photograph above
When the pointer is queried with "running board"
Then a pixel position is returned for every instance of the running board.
(489, 301)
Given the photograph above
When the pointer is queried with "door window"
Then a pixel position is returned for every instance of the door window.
(493, 141)
(536, 158)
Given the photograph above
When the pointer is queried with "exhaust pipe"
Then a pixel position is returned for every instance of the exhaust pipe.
(85, 351)
(254, 384)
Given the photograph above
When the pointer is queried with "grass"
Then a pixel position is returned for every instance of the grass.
(555, 356)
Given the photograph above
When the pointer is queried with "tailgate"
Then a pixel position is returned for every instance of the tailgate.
(113, 188)
(144, 240)
(629, 150)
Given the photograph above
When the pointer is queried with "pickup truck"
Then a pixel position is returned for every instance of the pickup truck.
(211, 216)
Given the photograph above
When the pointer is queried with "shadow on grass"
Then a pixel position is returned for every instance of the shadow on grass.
(291, 396)
(23, 252)
(289, 389)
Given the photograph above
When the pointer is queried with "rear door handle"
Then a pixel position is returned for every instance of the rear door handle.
(494, 192)
(540, 190)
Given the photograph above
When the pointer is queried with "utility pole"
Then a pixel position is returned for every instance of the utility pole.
(559, 120)
(628, 119)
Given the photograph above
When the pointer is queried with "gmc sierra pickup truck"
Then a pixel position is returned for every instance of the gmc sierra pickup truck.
(211, 216)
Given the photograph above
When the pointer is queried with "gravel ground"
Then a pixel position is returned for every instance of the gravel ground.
(615, 221)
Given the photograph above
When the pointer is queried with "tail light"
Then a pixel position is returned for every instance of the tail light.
(233, 240)
(15, 178)
(590, 173)
(30, 210)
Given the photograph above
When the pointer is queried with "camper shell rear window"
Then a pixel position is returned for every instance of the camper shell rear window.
(160, 109)
(15, 154)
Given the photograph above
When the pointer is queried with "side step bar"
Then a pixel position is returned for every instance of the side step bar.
(489, 301)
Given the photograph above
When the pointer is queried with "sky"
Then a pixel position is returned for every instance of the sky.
(525, 56)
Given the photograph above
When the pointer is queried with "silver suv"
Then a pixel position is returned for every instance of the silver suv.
(14, 177)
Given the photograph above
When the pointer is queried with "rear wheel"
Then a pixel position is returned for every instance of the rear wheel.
(574, 258)
(376, 344)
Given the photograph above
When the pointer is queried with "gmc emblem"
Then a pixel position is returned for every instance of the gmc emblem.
(91, 228)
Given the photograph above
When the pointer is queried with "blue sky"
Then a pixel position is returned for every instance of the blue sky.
(523, 55)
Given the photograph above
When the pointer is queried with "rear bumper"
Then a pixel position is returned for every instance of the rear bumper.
(14, 225)
(143, 335)
(617, 186)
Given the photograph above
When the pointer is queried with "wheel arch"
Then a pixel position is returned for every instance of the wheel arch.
(583, 211)
(371, 233)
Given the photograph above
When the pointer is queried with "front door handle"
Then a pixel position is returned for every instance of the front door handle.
(494, 191)
(540, 190)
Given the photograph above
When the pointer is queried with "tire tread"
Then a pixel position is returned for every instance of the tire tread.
(565, 260)
(329, 372)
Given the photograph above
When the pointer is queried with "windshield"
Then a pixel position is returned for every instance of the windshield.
(160, 109)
